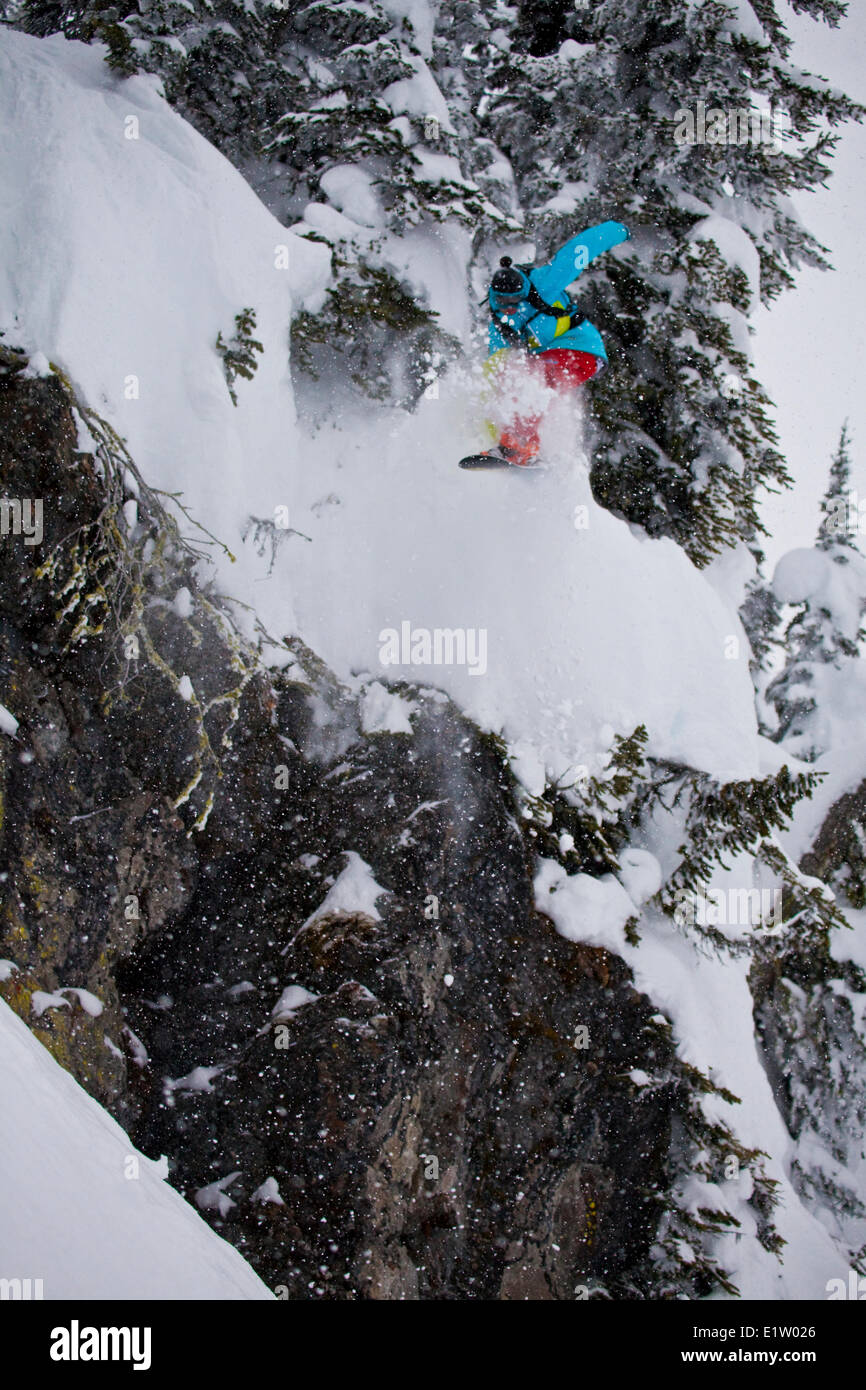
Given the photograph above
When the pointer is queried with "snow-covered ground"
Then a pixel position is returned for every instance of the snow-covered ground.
(121, 259)
(81, 1209)
(128, 244)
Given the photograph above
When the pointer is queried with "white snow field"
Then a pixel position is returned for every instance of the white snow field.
(121, 259)
(81, 1209)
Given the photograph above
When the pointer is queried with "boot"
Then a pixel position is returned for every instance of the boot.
(520, 452)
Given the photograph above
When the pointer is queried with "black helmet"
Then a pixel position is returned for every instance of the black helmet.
(508, 286)
(508, 280)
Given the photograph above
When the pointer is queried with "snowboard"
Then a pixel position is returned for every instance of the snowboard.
(494, 460)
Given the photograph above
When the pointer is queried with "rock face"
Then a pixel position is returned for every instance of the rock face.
(96, 852)
(432, 1125)
(390, 1096)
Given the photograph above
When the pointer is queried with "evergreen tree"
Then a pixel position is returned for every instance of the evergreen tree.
(590, 826)
(760, 615)
(356, 139)
(823, 637)
(808, 1013)
(554, 116)
(835, 531)
(808, 999)
(239, 352)
(585, 104)
(304, 99)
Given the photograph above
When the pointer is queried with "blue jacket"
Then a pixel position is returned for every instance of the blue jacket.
(550, 281)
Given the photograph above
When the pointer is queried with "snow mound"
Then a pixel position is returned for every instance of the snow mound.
(583, 908)
(294, 997)
(836, 583)
(354, 891)
(8, 722)
(81, 1209)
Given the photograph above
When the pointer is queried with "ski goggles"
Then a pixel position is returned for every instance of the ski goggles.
(507, 303)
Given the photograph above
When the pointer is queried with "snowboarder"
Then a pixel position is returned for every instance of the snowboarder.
(531, 313)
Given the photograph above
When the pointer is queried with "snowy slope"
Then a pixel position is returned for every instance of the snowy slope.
(71, 1215)
(123, 258)
(126, 257)
(589, 627)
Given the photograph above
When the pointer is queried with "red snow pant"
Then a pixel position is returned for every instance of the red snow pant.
(561, 368)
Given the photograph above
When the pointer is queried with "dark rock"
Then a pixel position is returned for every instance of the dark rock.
(433, 1122)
